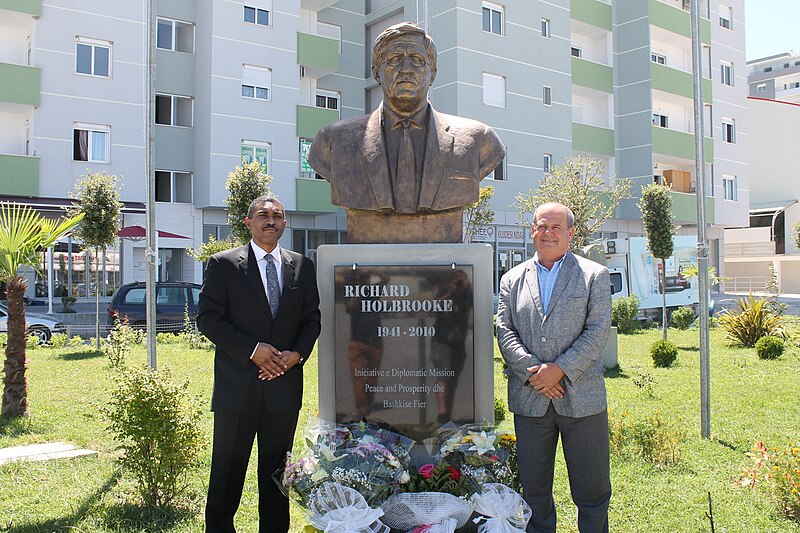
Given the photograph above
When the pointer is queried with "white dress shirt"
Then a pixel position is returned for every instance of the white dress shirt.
(260, 253)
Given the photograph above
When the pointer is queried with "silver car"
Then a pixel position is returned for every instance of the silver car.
(40, 325)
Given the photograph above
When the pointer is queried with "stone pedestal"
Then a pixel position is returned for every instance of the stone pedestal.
(407, 337)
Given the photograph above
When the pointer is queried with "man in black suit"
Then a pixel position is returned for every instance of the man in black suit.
(259, 305)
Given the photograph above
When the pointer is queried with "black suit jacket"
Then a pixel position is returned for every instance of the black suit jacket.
(234, 314)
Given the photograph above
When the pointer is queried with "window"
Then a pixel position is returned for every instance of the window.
(494, 90)
(174, 187)
(175, 35)
(726, 16)
(793, 85)
(93, 57)
(255, 15)
(256, 82)
(761, 88)
(662, 121)
(547, 95)
(498, 174)
(90, 143)
(729, 187)
(172, 110)
(658, 58)
(547, 162)
(729, 130)
(575, 51)
(492, 18)
(546, 28)
(726, 69)
(767, 69)
(327, 99)
(257, 151)
(330, 31)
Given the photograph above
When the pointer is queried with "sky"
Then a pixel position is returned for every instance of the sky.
(771, 27)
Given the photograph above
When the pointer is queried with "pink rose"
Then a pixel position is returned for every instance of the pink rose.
(426, 471)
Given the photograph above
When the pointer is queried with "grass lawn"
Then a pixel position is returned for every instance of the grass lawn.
(751, 400)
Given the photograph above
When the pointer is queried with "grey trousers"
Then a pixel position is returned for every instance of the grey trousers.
(585, 444)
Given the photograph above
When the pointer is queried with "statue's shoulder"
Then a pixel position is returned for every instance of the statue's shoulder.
(347, 125)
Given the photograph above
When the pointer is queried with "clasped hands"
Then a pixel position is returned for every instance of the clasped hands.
(546, 379)
(273, 363)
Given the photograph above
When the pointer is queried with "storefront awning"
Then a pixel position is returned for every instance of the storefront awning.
(138, 233)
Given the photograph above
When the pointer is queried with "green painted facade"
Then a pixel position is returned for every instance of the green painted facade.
(679, 144)
(19, 84)
(31, 7)
(684, 207)
(311, 119)
(592, 139)
(591, 12)
(19, 175)
(676, 81)
(318, 52)
(677, 20)
(314, 196)
(593, 75)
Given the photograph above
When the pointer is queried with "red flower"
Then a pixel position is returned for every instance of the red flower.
(426, 470)
(494, 458)
(455, 475)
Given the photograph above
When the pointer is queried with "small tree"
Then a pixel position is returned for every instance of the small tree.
(24, 233)
(478, 214)
(659, 227)
(97, 197)
(580, 185)
(203, 252)
(246, 183)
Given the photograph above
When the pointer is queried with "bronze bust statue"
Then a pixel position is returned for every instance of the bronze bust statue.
(405, 172)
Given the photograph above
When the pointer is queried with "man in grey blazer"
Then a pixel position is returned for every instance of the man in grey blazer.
(553, 321)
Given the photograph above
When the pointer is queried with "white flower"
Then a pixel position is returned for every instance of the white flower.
(329, 453)
(319, 475)
(481, 442)
(394, 463)
(404, 477)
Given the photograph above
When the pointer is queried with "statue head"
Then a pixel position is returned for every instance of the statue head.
(404, 64)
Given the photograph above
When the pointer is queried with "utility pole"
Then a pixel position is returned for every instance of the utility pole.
(702, 240)
(151, 249)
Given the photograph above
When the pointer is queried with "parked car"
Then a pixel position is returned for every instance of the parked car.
(172, 300)
(42, 326)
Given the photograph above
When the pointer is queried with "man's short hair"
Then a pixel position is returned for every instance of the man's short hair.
(393, 32)
(567, 210)
(268, 198)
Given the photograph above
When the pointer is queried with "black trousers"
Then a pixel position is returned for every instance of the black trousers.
(586, 451)
(233, 441)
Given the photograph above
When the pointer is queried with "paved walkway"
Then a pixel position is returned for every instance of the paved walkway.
(41, 452)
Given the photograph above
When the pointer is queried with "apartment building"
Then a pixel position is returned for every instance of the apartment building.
(258, 78)
(775, 77)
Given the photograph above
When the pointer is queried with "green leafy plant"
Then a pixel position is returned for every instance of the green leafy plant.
(166, 337)
(68, 303)
(157, 425)
(657, 440)
(499, 410)
(682, 318)
(246, 183)
(32, 342)
(778, 472)
(119, 342)
(659, 227)
(203, 252)
(190, 334)
(59, 340)
(439, 477)
(664, 353)
(478, 214)
(623, 314)
(75, 342)
(769, 347)
(773, 290)
(750, 322)
(3, 339)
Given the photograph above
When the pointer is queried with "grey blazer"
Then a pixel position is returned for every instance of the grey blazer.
(571, 333)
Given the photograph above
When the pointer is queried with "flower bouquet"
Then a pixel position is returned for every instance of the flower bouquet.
(482, 453)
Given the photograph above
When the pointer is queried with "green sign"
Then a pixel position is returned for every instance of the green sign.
(259, 153)
(305, 146)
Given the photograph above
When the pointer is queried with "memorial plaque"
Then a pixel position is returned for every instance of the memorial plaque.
(404, 350)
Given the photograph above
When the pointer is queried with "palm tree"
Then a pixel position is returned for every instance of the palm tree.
(24, 233)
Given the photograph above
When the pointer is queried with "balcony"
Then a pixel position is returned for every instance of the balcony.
(31, 7)
(19, 175)
(674, 81)
(684, 207)
(592, 139)
(674, 19)
(311, 119)
(314, 196)
(319, 56)
(591, 12)
(19, 84)
(593, 75)
(679, 144)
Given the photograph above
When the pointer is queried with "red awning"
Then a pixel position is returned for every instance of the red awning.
(138, 233)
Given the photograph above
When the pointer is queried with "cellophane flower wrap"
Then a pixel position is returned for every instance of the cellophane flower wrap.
(363, 457)
(483, 453)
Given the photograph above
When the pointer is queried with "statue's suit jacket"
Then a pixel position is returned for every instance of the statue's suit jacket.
(234, 314)
(572, 333)
(351, 155)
